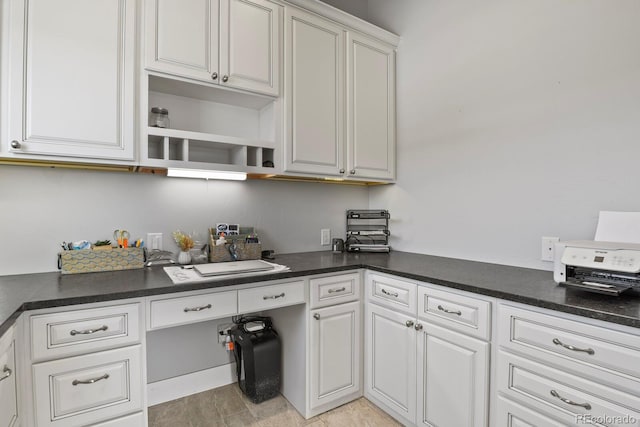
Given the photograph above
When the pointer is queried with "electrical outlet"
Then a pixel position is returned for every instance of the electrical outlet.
(325, 237)
(154, 241)
(547, 250)
(223, 332)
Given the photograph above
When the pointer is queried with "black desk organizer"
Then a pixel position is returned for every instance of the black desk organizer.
(367, 230)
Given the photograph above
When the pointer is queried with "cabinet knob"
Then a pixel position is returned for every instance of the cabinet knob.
(15, 145)
(6, 373)
(342, 170)
(418, 326)
(409, 323)
(316, 316)
(214, 76)
(352, 171)
(225, 78)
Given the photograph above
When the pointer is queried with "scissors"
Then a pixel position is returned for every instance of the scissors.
(122, 237)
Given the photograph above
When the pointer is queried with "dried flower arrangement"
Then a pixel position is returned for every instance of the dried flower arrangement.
(184, 241)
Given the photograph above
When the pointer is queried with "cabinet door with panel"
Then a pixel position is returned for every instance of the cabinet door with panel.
(390, 361)
(72, 77)
(370, 108)
(314, 94)
(453, 371)
(182, 37)
(335, 353)
(233, 43)
(8, 383)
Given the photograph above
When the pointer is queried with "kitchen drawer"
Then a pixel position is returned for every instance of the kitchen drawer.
(543, 335)
(195, 308)
(133, 420)
(81, 331)
(567, 397)
(511, 414)
(334, 290)
(267, 297)
(393, 293)
(465, 314)
(86, 389)
(8, 392)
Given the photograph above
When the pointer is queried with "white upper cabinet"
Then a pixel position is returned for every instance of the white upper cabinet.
(233, 43)
(370, 108)
(340, 100)
(314, 94)
(71, 79)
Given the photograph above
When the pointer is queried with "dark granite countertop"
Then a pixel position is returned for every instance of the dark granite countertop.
(535, 287)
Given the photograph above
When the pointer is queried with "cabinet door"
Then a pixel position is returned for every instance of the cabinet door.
(335, 353)
(453, 372)
(8, 393)
(182, 37)
(370, 108)
(72, 71)
(390, 361)
(314, 94)
(249, 45)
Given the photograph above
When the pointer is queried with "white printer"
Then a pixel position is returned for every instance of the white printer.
(604, 267)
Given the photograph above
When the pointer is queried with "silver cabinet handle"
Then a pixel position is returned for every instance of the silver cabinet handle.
(589, 351)
(273, 296)
(418, 326)
(352, 171)
(409, 323)
(204, 307)
(441, 308)
(225, 78)
(342, 289)
(570, 402)
(73, 332)
(214, 76)
(15, 145)
(6, 373)
(316, 316)
(342, 171)
(391, 294)
(91, 381)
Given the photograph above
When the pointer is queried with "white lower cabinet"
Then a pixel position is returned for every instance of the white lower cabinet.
(419, 372)
(390, 362)
(8, 383)
(335, 353)
(452, 378)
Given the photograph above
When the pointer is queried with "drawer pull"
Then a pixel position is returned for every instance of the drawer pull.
(273, 296)
(590, 351)
(391, 294)
(409, 323)
(91, 381)
(73, 332)
(6, 373)
(342, 289)
(570, 402)
(204, 307)
(457, 313)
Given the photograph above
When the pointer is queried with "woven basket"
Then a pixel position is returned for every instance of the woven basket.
(90, 261)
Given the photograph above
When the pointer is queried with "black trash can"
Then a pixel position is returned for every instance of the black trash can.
(257, 353)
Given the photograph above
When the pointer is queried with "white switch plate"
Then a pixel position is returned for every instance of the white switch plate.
(325, 236)
(547, 250)
(154, 241)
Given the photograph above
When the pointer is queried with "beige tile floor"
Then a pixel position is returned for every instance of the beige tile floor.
(227, 407)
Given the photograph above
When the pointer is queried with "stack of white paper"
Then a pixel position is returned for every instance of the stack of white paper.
(621, 227)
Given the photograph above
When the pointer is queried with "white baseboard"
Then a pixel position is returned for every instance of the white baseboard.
(185, 385)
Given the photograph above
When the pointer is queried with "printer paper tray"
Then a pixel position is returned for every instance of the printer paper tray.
(597, 287)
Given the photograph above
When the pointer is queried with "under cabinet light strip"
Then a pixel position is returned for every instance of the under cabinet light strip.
(206, 174)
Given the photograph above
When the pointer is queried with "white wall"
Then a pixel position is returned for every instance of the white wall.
(516, 120)
(41, 207)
